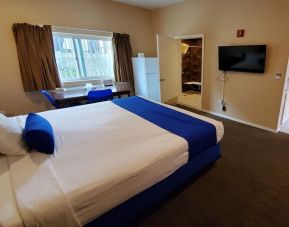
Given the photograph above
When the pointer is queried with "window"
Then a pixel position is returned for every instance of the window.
(83, 57)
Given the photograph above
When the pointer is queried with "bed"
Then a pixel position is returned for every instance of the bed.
(113, 160)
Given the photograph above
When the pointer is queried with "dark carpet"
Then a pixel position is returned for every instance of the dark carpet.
(248, 186)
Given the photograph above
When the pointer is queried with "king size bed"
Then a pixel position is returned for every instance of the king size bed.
(112, 161)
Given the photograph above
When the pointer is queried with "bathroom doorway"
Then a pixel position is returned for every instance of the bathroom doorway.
(192, 53)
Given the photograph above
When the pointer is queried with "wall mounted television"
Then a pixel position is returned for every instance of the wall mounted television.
(250, 58)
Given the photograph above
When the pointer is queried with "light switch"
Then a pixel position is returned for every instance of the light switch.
(277, 76)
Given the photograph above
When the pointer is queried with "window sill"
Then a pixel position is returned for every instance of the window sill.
(80, 83)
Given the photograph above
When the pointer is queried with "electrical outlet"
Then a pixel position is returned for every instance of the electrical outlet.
(222, 102)
(224, 105)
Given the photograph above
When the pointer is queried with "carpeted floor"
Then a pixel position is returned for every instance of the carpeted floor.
(248, 186)
(191, 99)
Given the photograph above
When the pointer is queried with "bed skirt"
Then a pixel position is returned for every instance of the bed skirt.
(127, 211)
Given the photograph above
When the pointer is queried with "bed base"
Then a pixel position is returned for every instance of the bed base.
(137, 205)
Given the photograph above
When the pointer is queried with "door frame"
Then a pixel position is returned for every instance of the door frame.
(197, 36)
(282, 105)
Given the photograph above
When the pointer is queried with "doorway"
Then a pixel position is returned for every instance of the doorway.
(192, 52)
(283, 123)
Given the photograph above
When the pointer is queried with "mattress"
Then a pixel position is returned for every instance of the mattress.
(105, 155)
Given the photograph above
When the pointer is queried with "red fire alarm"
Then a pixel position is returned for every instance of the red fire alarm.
(240, 33)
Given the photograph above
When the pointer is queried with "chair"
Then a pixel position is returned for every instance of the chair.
(63, 104)
(50, 98)
(99, 95)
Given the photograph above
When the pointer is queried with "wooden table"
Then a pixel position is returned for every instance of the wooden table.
(76, 94)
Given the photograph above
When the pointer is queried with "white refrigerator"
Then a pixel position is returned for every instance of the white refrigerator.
(147, 77)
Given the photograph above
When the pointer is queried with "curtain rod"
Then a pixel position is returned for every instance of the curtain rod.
(83, 29)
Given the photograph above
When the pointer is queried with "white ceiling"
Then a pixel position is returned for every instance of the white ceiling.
(149, 4)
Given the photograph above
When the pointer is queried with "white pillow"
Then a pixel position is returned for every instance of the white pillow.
(11, 137)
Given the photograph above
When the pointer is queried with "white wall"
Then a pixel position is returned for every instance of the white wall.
(251, 97)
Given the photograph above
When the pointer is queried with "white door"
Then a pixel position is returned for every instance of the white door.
(170, 67)
(285, 115)
(286, 108)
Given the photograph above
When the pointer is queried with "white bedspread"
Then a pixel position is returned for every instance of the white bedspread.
(9, 215)
(40, 198)
(110, 155)
(105, 155)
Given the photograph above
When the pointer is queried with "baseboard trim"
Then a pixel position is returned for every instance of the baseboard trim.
(240, 121)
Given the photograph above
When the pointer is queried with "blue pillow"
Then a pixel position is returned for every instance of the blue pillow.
(38, 134)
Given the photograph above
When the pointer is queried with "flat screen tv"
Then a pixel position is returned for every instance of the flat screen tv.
(242, 58)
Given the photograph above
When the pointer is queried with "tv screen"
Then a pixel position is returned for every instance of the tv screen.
(242, 58)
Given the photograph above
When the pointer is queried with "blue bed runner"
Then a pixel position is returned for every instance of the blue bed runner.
(199, 134)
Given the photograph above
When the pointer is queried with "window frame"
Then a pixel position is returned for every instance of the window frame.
(82, 34)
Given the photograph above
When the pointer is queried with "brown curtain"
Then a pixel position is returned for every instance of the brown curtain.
(36, 57)
(122, 58)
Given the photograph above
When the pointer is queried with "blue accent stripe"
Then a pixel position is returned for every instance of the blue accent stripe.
(199, 134)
